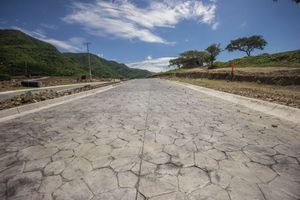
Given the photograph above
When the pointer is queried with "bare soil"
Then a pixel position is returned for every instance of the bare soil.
(15, 83)
(269, 71)
(30, 97)
(266, 75)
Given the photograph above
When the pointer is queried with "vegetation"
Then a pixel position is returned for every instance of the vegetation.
(192, 59)
(21, 54)
(106, 69)
(296, 1)
(247, 44)
(283, 59)
(213, 50)
(189, 59)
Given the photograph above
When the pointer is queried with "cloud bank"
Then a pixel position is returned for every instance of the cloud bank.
(153, 65)
(71, 45)
(124, 19)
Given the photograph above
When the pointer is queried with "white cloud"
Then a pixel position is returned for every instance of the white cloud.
(153, 65)
(215, 26)
(100, 55)
(123, 19)
(149, 57)
(38, 33)
(67, 45)
(77, 41)
(243, 24)
(48, 26)
(72, 45)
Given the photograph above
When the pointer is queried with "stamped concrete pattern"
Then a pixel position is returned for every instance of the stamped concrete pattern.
(149, 139)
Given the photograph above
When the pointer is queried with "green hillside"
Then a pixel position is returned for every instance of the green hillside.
(21, 53)
(18, 50)
(283, 59)
(105, 68)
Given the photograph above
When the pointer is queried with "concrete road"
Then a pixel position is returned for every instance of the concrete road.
(149, 139)
(58, 88)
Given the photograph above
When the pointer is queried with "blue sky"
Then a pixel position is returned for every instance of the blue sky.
(145, 33)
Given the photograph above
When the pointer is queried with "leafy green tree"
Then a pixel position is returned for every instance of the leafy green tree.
(296, 1)
(213, 50)
(189, 59)
(247, 44)
(177, 62)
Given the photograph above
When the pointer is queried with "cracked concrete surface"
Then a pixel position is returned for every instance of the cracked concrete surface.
(149, 139)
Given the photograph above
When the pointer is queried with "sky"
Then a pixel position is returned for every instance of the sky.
(147, 33)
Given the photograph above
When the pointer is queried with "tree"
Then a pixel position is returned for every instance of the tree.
(175, 62)
(296, 1)
(247, 44)
(189, 59)
(213, 50)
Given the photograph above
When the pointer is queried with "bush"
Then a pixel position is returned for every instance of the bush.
(5, 77)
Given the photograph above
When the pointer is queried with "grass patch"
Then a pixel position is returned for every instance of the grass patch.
(283, 59)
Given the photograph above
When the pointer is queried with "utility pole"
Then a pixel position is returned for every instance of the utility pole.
(26, 69)
(89, 59)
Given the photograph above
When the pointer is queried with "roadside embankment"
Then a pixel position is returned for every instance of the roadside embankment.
(277, 110)
(284, 95)
(33, 97)
(265, 75)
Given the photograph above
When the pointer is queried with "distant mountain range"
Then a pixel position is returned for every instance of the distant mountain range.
(21, 54)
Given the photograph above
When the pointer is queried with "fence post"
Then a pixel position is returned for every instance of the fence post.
(233, 68)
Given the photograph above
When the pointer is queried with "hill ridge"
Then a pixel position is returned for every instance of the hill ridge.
(21, 54)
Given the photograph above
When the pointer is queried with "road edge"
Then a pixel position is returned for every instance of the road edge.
(50, 87)
(277, 110)
(19, 111)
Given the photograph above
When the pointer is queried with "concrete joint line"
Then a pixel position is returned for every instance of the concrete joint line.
(143, 144)
(277, 110)
(12, 113)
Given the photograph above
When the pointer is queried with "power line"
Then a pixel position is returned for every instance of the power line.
(89, 59)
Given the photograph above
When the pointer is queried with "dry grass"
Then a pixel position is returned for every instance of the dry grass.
(285, 95)
(270, 71)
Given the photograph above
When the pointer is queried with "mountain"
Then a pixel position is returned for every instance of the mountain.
(18, 50)
(21, 54)
(106, 68)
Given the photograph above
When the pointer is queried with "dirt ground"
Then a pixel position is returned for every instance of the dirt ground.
(262, 75)
(285, 95)
(30, 97)
(270, 71)
(15, 83)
